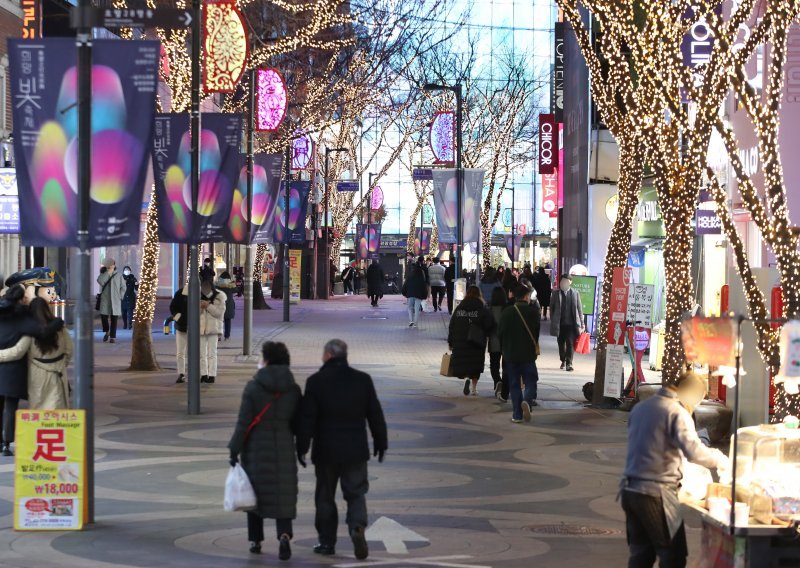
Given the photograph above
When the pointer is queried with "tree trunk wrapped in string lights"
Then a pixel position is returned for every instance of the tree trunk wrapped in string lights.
(143, 356)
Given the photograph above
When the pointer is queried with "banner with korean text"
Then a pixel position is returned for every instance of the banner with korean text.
(220, 143)
(45, 113)
(49, 470)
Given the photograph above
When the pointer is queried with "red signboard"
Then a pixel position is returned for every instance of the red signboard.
(618, 308)
(550, 193)
(548, 144)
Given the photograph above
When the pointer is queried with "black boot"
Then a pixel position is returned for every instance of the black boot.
(5, 449)
(211, 379)
(181, 379)
(204, 379)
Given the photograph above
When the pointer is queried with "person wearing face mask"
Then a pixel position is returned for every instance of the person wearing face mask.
(566, 320)
(129, 299)
(264, 440)
(112, 290)
(661, 433)
(212, 314)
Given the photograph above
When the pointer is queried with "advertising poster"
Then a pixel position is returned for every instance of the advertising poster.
(615, 356)
(298, 205)
(618, 308)
(422, 241)
(445, 200)
(266, 181)
(709, 341)
(295, 265)
(49, 470)
(220, 142)
(586, 287)
(368, 240)
(45, 113)
(640, 304)
(9, 202)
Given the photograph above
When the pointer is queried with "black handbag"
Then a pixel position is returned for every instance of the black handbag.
(475, 335)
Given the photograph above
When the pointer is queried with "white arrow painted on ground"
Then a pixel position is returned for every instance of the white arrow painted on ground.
(393, 535)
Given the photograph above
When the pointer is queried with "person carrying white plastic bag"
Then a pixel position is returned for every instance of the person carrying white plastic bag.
(239, 494)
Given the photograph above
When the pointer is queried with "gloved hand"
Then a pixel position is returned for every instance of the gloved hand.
(380, 454)
(233, 460)
(301, 459)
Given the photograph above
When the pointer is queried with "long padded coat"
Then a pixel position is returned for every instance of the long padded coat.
(268, 454)
(469, 359)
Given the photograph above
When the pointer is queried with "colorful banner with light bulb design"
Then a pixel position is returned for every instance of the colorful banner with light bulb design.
(266, 184)
(445, 200)
(422, 241)
(298, 206)
(368, 240)
(44, 105)
(220, 142)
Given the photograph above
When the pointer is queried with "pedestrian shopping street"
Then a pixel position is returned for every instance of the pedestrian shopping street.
(461, 485)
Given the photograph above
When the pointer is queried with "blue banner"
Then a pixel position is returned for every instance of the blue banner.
(45, 111)
(298, 207)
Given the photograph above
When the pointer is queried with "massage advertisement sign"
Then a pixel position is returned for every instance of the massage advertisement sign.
(49, 470)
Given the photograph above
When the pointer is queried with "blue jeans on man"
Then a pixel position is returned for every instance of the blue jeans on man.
(516, 374)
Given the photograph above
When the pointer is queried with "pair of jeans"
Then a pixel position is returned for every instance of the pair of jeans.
(228, 323)
(255, 527)
(8, 412)
(566, 344)
(109, 329)
(355, 484)
(348, 286)
(127, 318)
(437, 295)
(516, 374)
(648, 533)
(414, 307)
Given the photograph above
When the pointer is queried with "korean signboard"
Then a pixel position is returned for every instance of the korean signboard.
(49, 470)
(550, 193)
(295, 261)
(548, 144)
(640, 304)
(586, 287)
(31, 19)
(618, 308)
(9, 202)
(557, 86)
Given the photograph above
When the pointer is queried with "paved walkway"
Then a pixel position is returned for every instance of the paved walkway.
(470, 488)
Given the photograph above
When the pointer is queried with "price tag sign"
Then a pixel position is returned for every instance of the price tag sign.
(49, 470)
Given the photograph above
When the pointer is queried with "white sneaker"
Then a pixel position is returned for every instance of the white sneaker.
(474, 392)
(526, 411)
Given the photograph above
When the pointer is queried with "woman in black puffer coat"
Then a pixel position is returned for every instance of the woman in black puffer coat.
(268, 452)
(469, 345)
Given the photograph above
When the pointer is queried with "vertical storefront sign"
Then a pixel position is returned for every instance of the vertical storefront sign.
(550, 193)
(548, 144)
(298, 205)
(557, 93)
(49, 470)
(618, 307)
(295, 274)
(266, 182)
(220, 143)
(45, 113)
(31, 19)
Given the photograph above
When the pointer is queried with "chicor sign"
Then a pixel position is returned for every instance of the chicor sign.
(548, 144)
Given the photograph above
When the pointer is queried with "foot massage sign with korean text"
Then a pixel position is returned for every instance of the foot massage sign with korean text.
(44, 85)
(49, 470)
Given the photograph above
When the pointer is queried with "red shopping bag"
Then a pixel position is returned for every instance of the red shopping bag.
(583, 344)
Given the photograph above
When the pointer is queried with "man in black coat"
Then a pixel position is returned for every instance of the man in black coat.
(339, 401)
(449, 281)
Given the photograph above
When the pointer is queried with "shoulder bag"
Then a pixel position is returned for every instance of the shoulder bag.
(103, 289)
(530, 333)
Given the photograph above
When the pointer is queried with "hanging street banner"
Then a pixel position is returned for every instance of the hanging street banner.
(49, 470)
(422, 241)
(45, 113)
(368, 239)
(586, 287)
(513, 248)
(220, 142)
(266, 181)
(445, 198)
(298, 206)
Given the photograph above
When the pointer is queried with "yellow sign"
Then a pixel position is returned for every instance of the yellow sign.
(49, 475)
(295, 261)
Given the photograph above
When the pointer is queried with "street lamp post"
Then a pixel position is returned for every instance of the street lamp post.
(327, 265)
(456, 89)
(369, 212)
(286, 204)
(513, 226)
(248, 254)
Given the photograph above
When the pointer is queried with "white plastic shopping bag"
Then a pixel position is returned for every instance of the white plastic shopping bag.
(239, 494)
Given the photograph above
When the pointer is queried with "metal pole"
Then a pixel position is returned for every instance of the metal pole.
(513, 226)
(459, 180)
(84, 356)
(369, 212)
(326, 263)
(286, 203)
(193, 324)
(248, 253)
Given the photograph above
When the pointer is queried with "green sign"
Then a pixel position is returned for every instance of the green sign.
(586, 287)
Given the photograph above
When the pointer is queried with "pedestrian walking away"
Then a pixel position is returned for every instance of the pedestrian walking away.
(541, 283)
(567, 320)
(348, 274)
(436, 275)
(112, 290)
(415, 289)
(227, 285)
(129, 299)
(488, 283)
(212, 314)
(450, 284)
(47, 358)
(375, 277)
(264, 442)
(519, 336)
(179, 309)
(16, 321)
(470, 327)
(661, 433)
(497, 304)
(338, 405)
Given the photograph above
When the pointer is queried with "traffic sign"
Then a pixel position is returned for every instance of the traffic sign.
(346, 186)
(142, 18)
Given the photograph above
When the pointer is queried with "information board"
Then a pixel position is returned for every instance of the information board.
(618, 306)
(295, 262)
(49, 470)
(615, 355)
(640, 304)
(586, 287)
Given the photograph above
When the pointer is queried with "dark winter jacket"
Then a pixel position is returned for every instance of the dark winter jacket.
(268, 454)
(338, 404)
(16, 321)
(450, 276)
(129, 299)
(541, 283)
(179, 308)
(229, 287)
(517, 344)
(416, 284)
(487, 286)
(375, 280)
(468, 358)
